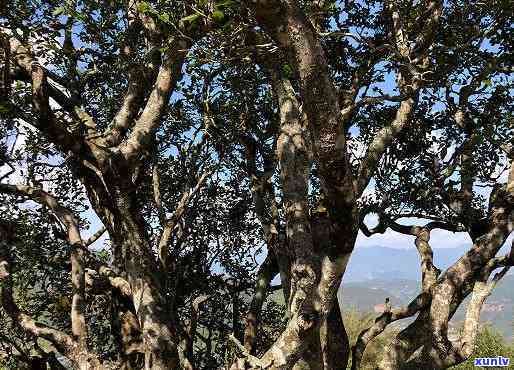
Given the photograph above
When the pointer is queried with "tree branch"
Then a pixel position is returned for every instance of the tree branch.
(267, 271)
(23, 59)
(481, 290)
(387, 317)
(382, 140)
(156, 184)
(93, 238)
(74, 239)
(101, 281)
(171, 223)
(191, 332)
(400, 34)
(62, 341)
(144, 130)
(429, 272)
(252, 360)
(293, 32)
(137, 81)
(409, 81)
(386, 222)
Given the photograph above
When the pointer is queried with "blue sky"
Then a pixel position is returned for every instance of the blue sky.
(439, 238)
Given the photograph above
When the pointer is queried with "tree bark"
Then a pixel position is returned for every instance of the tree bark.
(334, 341)
(157, 330)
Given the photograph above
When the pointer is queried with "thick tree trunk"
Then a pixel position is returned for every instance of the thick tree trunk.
(133, 257)
(428, 335)
(320, 243)
(127, 331)
(396, 353)
(311, 358)
(151, 308)
(335, 345)
(329, 347)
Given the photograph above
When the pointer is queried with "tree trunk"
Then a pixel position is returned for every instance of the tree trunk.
(117, 204)
(329, 348)
(334, 341)
(428, 334)
(397, 352)
(127, 331)
(147, 294)
(320, 243)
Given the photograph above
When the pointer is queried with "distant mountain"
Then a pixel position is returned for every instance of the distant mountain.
(365, 295)
(377, 273)
(362, 298)
(378, 263)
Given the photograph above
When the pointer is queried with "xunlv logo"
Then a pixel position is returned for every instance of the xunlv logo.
(492, 361)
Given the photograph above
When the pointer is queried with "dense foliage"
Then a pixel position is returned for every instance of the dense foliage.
(182, 183)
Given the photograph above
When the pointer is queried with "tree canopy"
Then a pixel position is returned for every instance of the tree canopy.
(183, 182)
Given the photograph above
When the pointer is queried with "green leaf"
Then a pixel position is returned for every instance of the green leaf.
(287, 70)
(4, 109)
(165, 17)
(80, 16)
(190, 18)
(224, 4)
(58, 11)
(218, 16)
(144, 7)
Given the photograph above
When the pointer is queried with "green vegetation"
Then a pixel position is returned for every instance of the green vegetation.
(355, 322)
(490, 343)
(167, 166)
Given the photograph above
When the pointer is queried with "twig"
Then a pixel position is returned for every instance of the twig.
(252, 360)
(93, 238)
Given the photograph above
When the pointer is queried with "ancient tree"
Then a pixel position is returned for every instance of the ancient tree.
(219, 146)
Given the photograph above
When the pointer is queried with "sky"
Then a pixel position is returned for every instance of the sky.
(390, 239)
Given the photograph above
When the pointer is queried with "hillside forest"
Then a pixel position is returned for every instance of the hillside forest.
(184, 184)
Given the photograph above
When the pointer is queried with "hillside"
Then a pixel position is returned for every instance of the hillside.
(377, 273)
(377, 263)
(364, 296)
